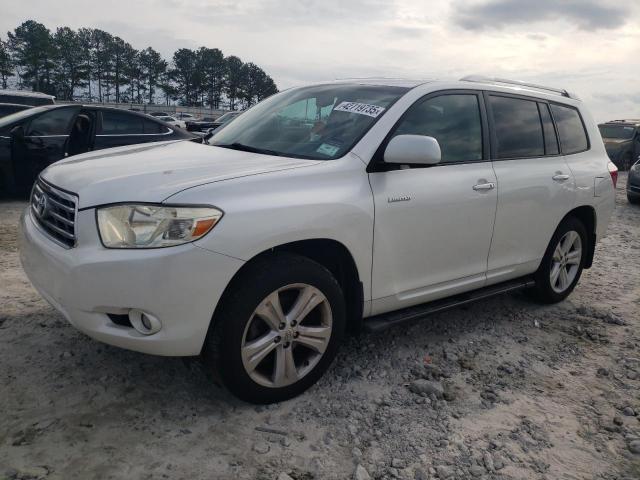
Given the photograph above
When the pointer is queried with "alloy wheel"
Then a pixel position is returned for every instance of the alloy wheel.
(566, 261)
(286, 335)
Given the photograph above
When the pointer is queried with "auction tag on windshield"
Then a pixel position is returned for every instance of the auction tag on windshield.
(361, 108)
(327, 149)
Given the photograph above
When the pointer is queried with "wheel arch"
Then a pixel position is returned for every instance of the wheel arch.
(588, 216)
(331, 254)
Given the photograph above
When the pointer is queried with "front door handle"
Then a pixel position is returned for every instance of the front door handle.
(484, 186)
(560, 177)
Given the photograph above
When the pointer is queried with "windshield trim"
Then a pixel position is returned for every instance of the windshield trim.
(403, 90)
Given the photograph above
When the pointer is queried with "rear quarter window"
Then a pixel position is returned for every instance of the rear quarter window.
(573, 136)
(121, 123)
(157, 128)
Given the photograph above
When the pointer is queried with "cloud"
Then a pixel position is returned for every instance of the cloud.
(584, 14)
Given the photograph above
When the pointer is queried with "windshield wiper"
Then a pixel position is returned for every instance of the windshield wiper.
(248, 148)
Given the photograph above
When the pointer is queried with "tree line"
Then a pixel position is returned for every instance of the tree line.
(90, 64)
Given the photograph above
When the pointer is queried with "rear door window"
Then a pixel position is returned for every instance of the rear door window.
(518, 128)
(573, 137)
(121, 123)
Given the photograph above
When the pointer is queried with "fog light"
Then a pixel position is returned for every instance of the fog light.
(144, 322)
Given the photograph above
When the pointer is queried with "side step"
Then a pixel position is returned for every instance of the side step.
(383, 321)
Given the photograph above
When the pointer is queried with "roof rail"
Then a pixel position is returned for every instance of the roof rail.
(483, 79)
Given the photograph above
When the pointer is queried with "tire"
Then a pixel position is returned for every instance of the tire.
(235, 348)
(548, 290)
(633, 199)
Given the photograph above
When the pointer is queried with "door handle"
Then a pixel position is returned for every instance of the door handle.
(484, 186)
(560, 177)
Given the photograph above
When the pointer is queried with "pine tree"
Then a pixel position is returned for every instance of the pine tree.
(6, 65)
(70, 71)
(32, 50)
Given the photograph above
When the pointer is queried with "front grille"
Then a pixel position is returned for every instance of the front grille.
(55, 212)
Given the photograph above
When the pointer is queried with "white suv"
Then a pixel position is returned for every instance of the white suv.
(341, 206)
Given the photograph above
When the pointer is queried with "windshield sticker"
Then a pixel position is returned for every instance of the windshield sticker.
(360, 108)
(327, 149)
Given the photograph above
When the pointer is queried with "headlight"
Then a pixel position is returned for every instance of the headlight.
(153, 226)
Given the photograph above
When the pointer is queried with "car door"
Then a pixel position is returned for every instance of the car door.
(44, 142)
(535, 185)
(117, 128)
(433, 225)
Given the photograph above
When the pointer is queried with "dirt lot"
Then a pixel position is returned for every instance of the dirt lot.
(503, 389)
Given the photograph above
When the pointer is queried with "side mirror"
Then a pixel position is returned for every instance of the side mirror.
(17, 132)
(209, 134)
(413, 149)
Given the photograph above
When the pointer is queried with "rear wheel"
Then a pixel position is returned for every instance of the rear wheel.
(562, 263)
(278, 330)
(634, 199)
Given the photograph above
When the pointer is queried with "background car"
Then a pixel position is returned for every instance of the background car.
(201, 125)
(622, 141)
(24, 97)
(32, 139)
(184, 116)
(224, 120)
(173, 121)
(207, 124)
(9, 108)
(158, 114)
(633, 183)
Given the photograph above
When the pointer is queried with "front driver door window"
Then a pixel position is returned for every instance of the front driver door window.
(434, 241)
(45, 142)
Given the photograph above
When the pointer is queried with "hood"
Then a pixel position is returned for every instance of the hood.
(152, 172)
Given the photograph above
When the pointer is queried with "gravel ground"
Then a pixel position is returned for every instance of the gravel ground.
(502, 389)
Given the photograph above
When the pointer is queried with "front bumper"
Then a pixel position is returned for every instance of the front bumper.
(180, 286)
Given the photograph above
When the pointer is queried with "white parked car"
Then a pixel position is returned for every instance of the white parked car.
(323, 209)
(173, 121)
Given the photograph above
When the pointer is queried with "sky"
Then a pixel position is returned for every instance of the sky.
(590, 47)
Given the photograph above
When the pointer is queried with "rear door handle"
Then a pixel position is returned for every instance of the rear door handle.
(484, 186)
(560, 177)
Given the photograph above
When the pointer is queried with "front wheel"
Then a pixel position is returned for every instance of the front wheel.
(562, 263)
(633, 199)
(278, 329)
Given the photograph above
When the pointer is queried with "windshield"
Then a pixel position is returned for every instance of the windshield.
(16, 117)
(619, 132)
(320, 122)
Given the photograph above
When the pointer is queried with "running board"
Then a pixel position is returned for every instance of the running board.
(383, 321)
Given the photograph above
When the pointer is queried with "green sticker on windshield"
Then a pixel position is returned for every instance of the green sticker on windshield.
(327, 149)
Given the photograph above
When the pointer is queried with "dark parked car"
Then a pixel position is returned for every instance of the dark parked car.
(622, 141)
(24, 97)
(633, 183)
(9, 108)
(32, 139)
(201, 125)
(208, 123)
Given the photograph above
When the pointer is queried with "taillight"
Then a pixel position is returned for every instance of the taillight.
(613, 171)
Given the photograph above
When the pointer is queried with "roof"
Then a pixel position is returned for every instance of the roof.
(391, 82)
(7, 104)
(25, 93)
(634, 121)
